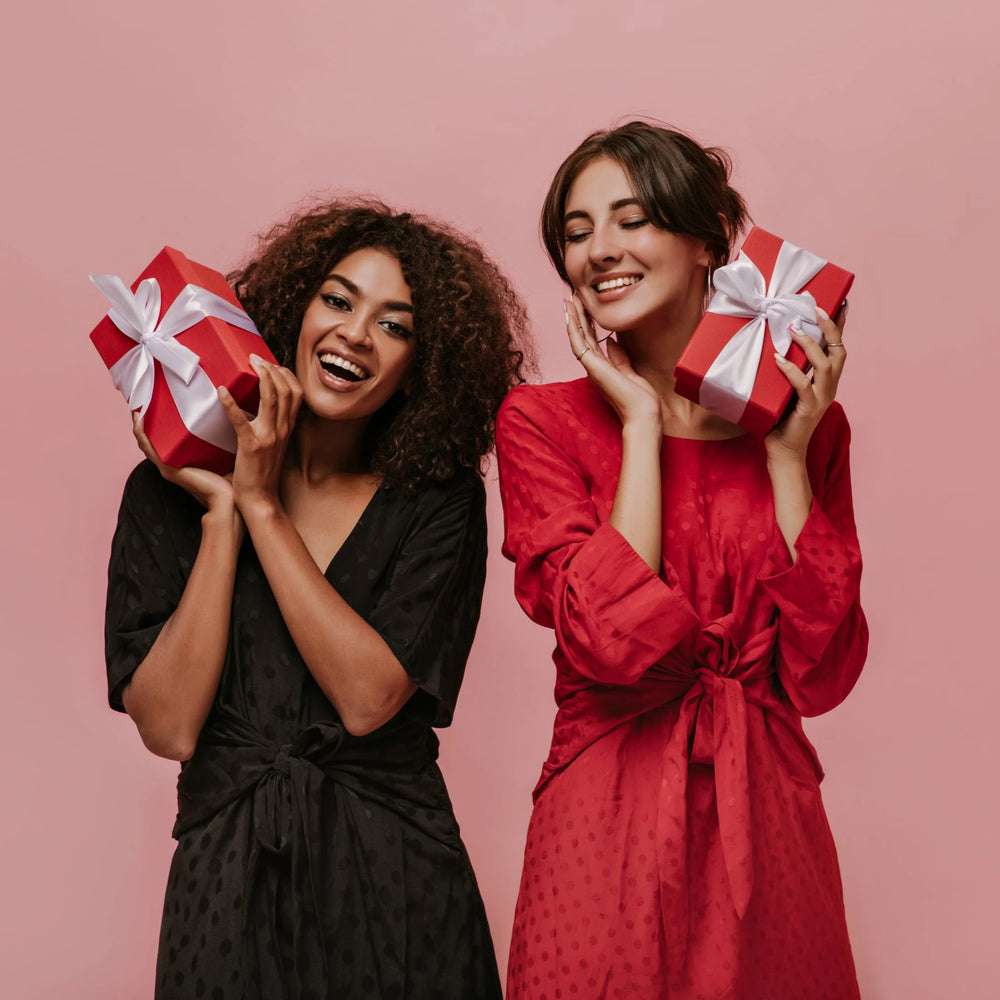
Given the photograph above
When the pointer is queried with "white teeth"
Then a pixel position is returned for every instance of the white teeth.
(606, 286)
(335, 359)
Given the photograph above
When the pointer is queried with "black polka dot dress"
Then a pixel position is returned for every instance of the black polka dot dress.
(312, 864)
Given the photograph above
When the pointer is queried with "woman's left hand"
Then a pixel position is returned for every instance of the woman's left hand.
(790, 438)
(262, 441)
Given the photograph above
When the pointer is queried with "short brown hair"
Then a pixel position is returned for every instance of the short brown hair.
(470, 328)
(682, 186)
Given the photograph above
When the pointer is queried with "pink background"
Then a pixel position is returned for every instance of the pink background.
(864, 131)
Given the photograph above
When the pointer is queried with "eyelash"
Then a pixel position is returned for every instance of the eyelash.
(396, 329)
(631, 224)
(391, 327)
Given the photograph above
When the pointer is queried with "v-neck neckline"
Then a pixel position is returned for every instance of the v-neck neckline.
(349, 537)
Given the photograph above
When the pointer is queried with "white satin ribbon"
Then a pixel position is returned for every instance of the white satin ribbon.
(741, 291)
(192, 390)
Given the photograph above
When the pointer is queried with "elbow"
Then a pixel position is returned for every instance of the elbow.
(160, 736)
(169, 745)
(371, 713)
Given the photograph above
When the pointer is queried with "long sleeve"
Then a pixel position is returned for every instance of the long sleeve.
(613, 617)
(822, 632)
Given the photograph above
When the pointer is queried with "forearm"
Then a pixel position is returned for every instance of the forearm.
(637, 511)
(171, 692)
(792, 497)
(350, 661)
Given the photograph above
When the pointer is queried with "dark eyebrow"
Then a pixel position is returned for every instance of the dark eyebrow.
(354, 290)
(614, 207)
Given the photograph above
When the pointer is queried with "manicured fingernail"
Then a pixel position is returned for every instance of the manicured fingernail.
(781, 360)
(845, 305)
(795, 331)
(256, 360)
(822, 312)
(223, 392)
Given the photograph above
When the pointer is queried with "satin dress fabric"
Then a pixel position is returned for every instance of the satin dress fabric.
(678, 845)
(311, 863)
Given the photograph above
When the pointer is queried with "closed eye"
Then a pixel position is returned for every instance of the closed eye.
(577, 236)
(635, 223)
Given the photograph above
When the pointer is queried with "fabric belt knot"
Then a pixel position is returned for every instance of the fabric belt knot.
(711, 730)
(272, 802)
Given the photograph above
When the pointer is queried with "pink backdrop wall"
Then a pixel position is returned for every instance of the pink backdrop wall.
(865, 131)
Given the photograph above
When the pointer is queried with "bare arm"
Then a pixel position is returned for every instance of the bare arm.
(788, 443)
(350, 661)
(171, 691)
(637, 513)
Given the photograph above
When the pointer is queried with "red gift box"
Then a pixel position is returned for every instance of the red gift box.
(728, 364)
(169, 344)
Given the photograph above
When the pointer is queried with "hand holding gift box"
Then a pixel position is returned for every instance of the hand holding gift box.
(170, 342)
(727, 366)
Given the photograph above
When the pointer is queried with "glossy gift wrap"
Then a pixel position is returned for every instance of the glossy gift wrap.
(169, 342)
(728, 365)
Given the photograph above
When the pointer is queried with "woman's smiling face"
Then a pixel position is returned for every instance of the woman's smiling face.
(356, 345)
(628, 272)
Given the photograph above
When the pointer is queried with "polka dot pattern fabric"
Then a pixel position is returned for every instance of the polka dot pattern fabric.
(678, 845)
(314, 865)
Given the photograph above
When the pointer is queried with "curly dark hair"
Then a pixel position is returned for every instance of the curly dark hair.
(470, 328)
(682, 186)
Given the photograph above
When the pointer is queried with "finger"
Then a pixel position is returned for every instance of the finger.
(236, 416)
(577, 339)
(268, 396)
(283, 395)
(815, 354)
(292, 391)
(145, 445)
(840, 320)
(800, 382)
(833, 334)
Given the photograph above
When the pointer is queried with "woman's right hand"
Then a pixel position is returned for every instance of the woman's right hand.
(631, 396)
(212, 491)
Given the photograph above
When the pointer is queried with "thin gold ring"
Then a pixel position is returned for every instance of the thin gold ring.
(582, 353)
(838, 344)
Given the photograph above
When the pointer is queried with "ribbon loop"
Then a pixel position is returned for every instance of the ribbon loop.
(137, 315)
(742, 291)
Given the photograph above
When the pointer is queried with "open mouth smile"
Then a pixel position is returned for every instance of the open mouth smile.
(341, 368)
(613, 284)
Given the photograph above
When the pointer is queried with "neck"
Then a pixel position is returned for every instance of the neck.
(320, 449)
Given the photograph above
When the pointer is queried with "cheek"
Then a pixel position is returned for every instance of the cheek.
(574, 262)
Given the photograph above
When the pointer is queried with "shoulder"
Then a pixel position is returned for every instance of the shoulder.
(551, 407)
(462, 496)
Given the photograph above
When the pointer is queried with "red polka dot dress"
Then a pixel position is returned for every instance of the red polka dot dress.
(678, 845)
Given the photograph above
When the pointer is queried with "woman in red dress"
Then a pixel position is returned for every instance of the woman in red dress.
(703, 588)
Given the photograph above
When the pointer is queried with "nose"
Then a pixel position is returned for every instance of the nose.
(603, 247)
(354, 330)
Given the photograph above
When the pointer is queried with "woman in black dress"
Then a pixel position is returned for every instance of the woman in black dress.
(291, 633)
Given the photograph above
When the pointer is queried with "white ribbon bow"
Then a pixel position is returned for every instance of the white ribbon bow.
(741, 291)
(192, 390)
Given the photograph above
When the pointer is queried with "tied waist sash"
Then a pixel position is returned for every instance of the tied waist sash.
(711, 729)
(290, 789)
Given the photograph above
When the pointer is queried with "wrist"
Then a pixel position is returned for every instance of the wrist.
(224, 522)
(259, 509)
(647, 428)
